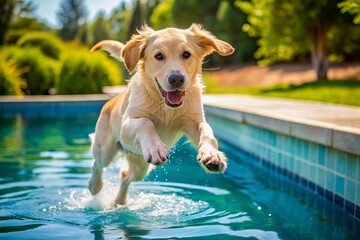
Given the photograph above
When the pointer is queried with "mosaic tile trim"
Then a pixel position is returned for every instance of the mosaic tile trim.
(330, 173)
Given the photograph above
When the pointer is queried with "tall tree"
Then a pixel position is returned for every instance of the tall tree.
(161, 16)
(228, 28)
(352, 7)
(119, 22)
(288, 28)
(138, 18)
(221, 17)
(150, 7)
(71, 15)
(101, 28)
(85, 35)
(187, 12)
(8, 11)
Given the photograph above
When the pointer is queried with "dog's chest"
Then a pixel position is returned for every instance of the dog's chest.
(169, 127)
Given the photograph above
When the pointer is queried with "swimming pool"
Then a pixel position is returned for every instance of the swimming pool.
(45, 167)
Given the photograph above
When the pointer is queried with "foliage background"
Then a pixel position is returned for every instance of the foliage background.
(262, 31)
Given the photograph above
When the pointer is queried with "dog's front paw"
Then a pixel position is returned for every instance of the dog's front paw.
(156, 154)
(212, 160)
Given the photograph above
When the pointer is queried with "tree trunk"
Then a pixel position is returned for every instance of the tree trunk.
(6, 12)
(318, 50)
(137, 19)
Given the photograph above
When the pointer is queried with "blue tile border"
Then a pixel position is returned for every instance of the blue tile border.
(357, 212)
(350, 207)
(298, 164)
(51, 108)
(338, 200)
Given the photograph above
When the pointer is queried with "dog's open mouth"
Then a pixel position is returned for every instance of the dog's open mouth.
(173, 99)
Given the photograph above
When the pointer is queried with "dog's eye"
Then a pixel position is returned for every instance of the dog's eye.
(159, 56)
(186, 55)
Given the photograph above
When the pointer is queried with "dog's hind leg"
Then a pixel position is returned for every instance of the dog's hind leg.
(104, 148)
(104, 154)
(137, 170)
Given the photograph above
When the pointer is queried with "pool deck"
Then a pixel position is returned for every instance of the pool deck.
(332, 125)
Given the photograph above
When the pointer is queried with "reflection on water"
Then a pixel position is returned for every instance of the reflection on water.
(45, 167)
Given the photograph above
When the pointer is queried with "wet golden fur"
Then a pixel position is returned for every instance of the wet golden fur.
(140, 119)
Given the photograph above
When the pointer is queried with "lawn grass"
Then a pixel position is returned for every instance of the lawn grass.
(334, 91)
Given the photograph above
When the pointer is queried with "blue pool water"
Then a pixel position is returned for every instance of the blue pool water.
(45, 167)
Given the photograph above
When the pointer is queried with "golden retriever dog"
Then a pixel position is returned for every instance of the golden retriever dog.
(162, 102)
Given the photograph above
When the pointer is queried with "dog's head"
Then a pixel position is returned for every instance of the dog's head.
(170, 58)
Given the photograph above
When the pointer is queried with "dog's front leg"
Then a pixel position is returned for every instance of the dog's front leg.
(141, 132)
(210, 158)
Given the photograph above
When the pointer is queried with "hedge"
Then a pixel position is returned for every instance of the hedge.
(83, 72)
(11, 82)
(49, 44)
(39, 71)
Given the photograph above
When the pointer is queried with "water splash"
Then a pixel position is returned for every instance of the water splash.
(160, 206)
(161, 203)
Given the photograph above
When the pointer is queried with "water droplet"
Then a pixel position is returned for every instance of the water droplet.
(52, 208)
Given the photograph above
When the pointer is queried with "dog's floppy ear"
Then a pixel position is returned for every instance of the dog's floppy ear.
(112, 47)
(133, 50)
(208, 42)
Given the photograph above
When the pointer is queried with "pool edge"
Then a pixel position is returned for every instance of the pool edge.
(328, 135)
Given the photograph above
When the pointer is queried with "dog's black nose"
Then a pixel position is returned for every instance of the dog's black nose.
(176, 80)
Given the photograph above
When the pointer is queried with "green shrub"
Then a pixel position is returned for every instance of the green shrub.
(11, 82)
(13, 36)
(49, 44)
(40, 72)
(85, 73)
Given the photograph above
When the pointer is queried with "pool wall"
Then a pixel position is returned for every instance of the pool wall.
(52, 106)
(316, 164)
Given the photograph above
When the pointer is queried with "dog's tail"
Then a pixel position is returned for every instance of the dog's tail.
(112, 47)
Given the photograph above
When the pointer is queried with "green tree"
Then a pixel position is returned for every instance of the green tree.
(137, 19)
(161, 16)
(179, 13)
(71, 15)
(229, 20)
(194, 11)
(9, 10)
(286, 29)
(221, 17)
(150, 6)
(101, 29)
(119, 22)
(352, 7)
(85, 34)
(21, 26)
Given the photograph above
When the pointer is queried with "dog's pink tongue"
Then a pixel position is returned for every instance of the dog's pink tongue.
(175, 97)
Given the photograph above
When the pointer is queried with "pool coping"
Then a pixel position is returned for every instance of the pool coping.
(54, 98)
(319, 129)
(269, 113)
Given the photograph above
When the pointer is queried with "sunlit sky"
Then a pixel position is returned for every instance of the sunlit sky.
(46, 9)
